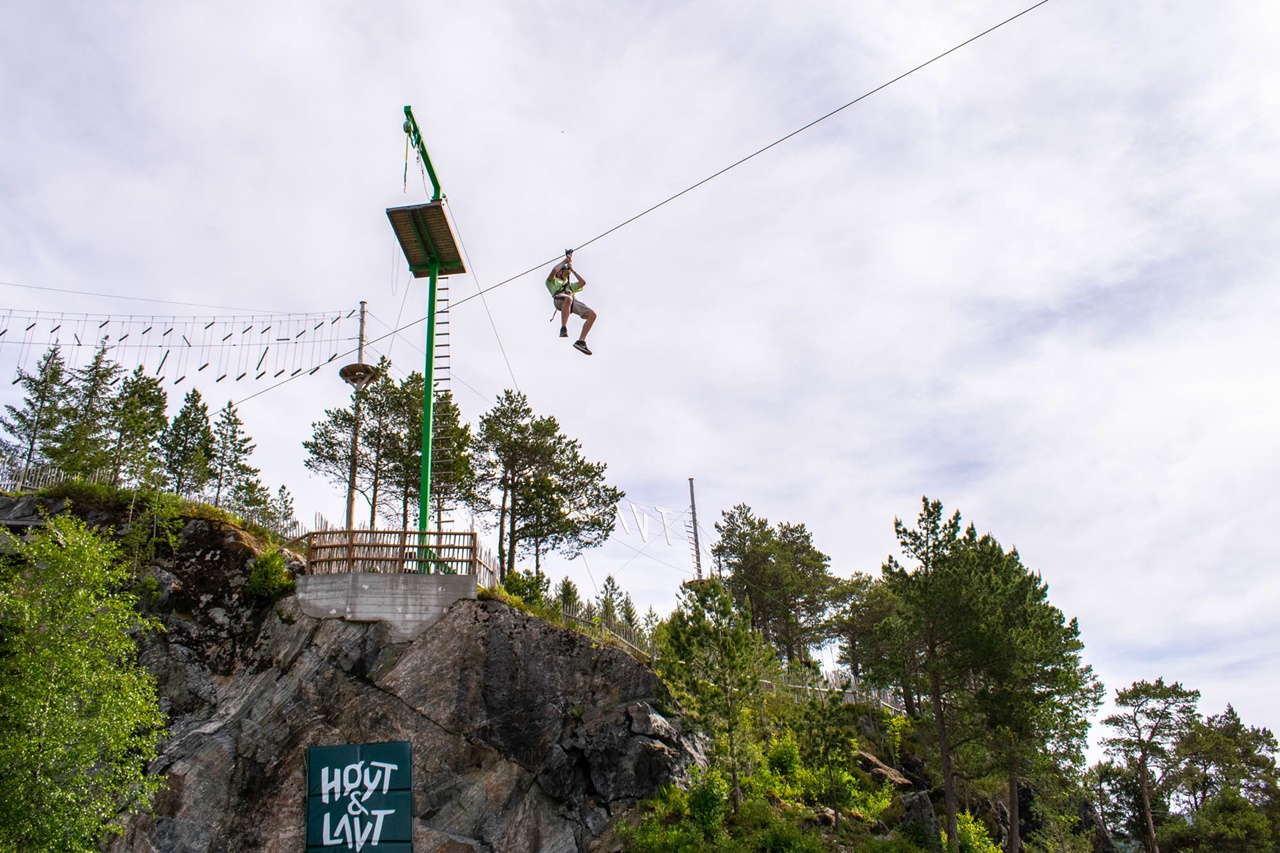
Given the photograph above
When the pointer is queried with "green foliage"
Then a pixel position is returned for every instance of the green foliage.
(972, 835)
(1150, 719)
(699, 822)
(714, 663)
(545, 495)
(33, 427)
(528, 586)
(233, 478)
(782, 575)
(888, 845)
(497, 593)
(1225, 823)
(154, 521)
(186, 446)
(567, 596)
(453, 473)
(89, 496)
(783, 756)
(137, 421)
(79, 718)
(897, 726)
(708, 799)
(82, 445)
(269, 576)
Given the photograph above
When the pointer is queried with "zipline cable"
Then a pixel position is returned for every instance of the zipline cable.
(757, 153)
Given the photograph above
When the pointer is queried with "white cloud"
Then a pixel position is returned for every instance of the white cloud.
(1032, 280)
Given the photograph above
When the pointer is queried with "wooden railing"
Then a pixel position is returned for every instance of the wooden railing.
(398, 551)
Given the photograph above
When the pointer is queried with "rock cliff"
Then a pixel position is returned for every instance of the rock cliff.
(525, 736)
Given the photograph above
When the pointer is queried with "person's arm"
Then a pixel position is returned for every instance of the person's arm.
(582, 282)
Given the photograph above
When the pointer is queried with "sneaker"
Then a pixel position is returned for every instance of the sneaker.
(564, 333)
(581, 346)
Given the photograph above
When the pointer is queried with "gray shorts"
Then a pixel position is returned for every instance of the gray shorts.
(579, 307)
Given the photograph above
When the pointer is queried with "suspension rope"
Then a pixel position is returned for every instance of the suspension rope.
(476, 278)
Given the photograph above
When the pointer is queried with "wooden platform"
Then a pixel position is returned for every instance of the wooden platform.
(398, 551)
(423, 231)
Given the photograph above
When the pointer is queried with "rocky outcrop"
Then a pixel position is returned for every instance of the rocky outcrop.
(881, 772)
(525, 736)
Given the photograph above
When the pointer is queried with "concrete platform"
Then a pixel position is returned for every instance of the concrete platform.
(409, 603)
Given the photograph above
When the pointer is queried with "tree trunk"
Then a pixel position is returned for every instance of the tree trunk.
(1014, 844)
(511, 538)
(1149, 842)
(944, 753)
(502, 533)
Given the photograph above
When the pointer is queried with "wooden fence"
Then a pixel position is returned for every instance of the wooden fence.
(396, 551)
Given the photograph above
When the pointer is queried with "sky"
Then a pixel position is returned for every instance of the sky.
(1033, 280)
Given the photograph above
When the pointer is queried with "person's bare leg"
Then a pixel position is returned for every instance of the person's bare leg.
(566, 305)
(587, 320)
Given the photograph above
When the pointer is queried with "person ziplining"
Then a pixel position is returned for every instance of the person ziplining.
(564, 294)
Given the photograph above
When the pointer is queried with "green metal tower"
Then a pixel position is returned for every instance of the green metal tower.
(427, 239)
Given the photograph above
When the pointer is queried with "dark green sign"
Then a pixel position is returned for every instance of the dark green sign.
(360, 796)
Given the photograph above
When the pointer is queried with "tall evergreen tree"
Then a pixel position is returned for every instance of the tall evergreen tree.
(232, 475)
(567, 596)
(33, 428)
(1151, 718)
(610, 599)
(1226, 782)
(137, 421)
(453, 474)
(783, 576)
(1033, 691)
(545, 495)
(379, 438)
(329, 448)
(187, 446)
(927, 596)
(83, 444)
(714, 662)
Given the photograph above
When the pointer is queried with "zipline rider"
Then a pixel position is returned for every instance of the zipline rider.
(563, 294)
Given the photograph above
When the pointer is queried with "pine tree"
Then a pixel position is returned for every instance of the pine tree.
(83, 445)
(138, 419)
(233, 476)
(548, 497)
(926, 595)
(715, 662)
(329, 448)
(186, 446)
(453, 475)
(567, 596)
(34, 427)
(609, 600)
(1150, 720)
(404, 480)
(782, 574)
(378, 437)
(1032, 690)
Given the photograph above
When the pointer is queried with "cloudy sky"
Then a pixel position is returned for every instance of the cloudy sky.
(1032, 280)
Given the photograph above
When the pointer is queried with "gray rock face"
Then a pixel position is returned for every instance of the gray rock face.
(919, 823)
(525, 736)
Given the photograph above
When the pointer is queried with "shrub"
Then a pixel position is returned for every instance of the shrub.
(708, 800)
(972, 835)
(269, 576)
(784, 756)
(531, 588)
